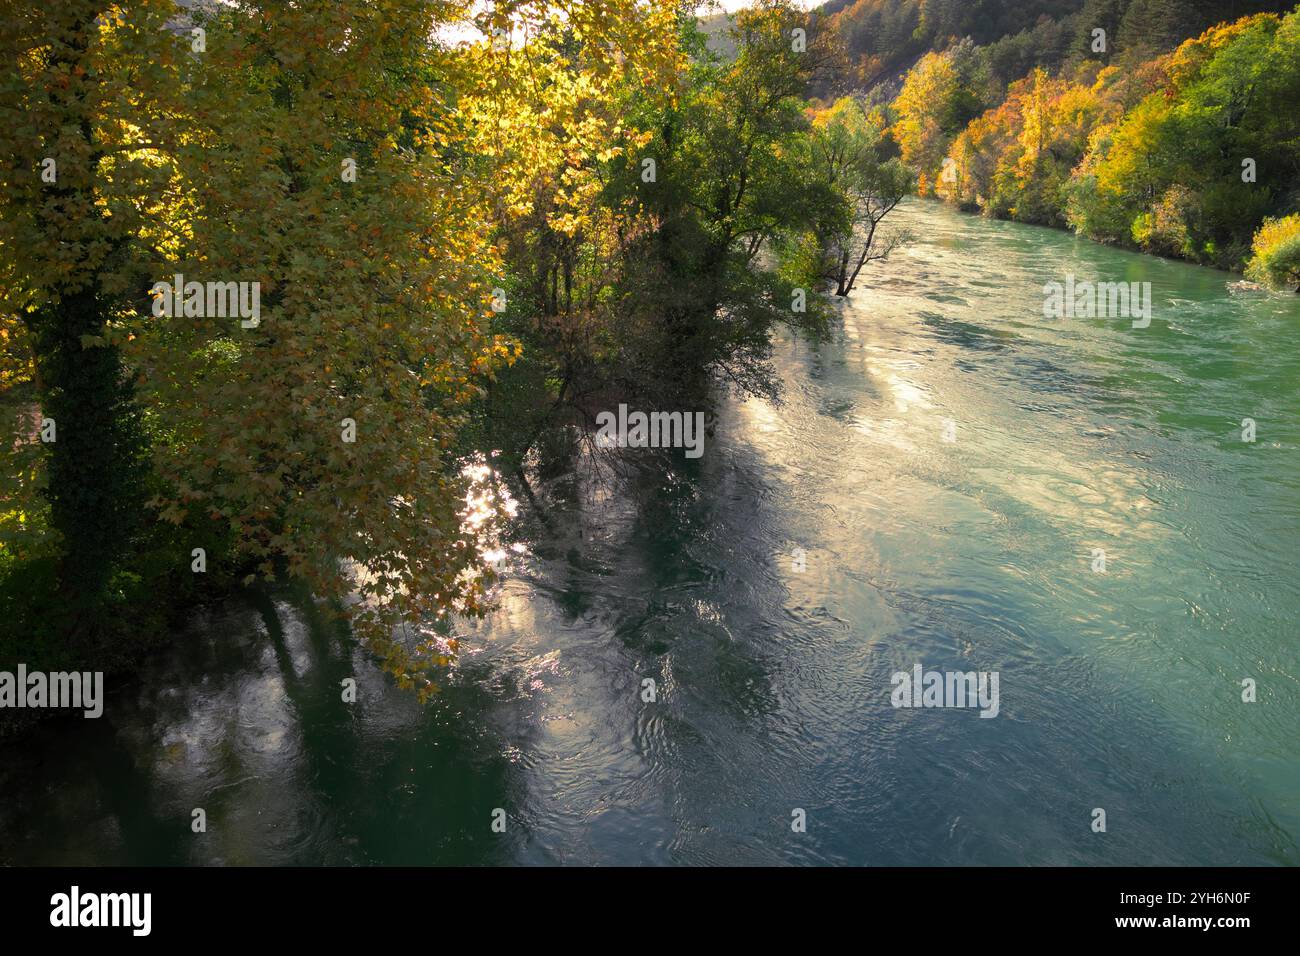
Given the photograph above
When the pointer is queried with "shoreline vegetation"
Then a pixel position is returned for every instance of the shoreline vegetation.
(1150, 126)
(465, 232)
(465, 251)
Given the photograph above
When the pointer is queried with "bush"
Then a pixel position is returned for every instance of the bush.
(1275, 259)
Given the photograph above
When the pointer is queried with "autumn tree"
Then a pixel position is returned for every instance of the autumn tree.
(940, 95)
(368, 178)
(327, 166)
(552, 112)
(346, 175)
(86, 101)
(1275, 258)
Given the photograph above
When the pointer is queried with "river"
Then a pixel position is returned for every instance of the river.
(933, 491)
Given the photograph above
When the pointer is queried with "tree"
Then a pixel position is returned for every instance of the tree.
(936, 102)
(551, 115)
(86, 98)
(382, 164)
(328, 166)
(846, 145)
(728, 179)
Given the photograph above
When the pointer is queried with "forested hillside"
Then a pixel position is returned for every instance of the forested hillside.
(884, 36)
(1166, 125)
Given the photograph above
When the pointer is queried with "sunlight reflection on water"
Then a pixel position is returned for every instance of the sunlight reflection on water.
(1119, 689)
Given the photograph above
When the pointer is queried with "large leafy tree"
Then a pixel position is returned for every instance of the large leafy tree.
(325, 163)
(87, 99)
(353, 168)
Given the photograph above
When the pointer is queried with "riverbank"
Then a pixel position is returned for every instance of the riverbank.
(970, 209)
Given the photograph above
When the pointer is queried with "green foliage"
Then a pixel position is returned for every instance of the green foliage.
(848, 158)
(1169, 177)
(670, 277)
(733, 181)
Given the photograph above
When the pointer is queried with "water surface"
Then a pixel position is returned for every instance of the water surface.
(1119, 690)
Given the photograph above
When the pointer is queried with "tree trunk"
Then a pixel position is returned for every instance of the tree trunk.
(95, 462)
